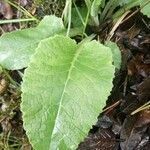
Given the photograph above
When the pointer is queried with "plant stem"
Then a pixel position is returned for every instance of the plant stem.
(69, 16)
(86, 22)
(16, 20)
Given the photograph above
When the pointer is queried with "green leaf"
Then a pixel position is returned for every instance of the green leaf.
(146, 7)
(88, 4)
(123, 2)
(95, 7)
(103, 3)
(115, 52)
(17, 47)
(64, 89)
(78, 21)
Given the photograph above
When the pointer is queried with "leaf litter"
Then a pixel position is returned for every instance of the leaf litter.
(116, 128)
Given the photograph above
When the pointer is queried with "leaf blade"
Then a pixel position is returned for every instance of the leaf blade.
(76, 78)
(95, 8)
(17, 47)
(146, 7)
(115, 53)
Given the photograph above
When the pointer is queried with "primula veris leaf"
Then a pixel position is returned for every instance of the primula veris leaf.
(115, 53)
(95, 7)
(64, 89)
(17, 47)
(88, 4)
(79, 18)
(146, 7)
(76, 20)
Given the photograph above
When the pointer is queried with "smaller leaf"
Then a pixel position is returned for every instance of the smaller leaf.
(78, 21)
(115, 52)
(126, 2)
(88, 4)
(95, 7)
(17, 47)
(146, 7)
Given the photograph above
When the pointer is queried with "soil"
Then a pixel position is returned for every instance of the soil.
(117, 128)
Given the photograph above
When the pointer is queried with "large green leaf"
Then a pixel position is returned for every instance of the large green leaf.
(17, 47)
(64, 89)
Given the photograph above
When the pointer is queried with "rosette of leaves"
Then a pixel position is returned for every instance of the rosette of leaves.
(65, 85)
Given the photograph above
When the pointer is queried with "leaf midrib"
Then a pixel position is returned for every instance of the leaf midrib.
(63, 92)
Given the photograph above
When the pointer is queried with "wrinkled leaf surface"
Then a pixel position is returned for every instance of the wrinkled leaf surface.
(64, 89)
(17, 47)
